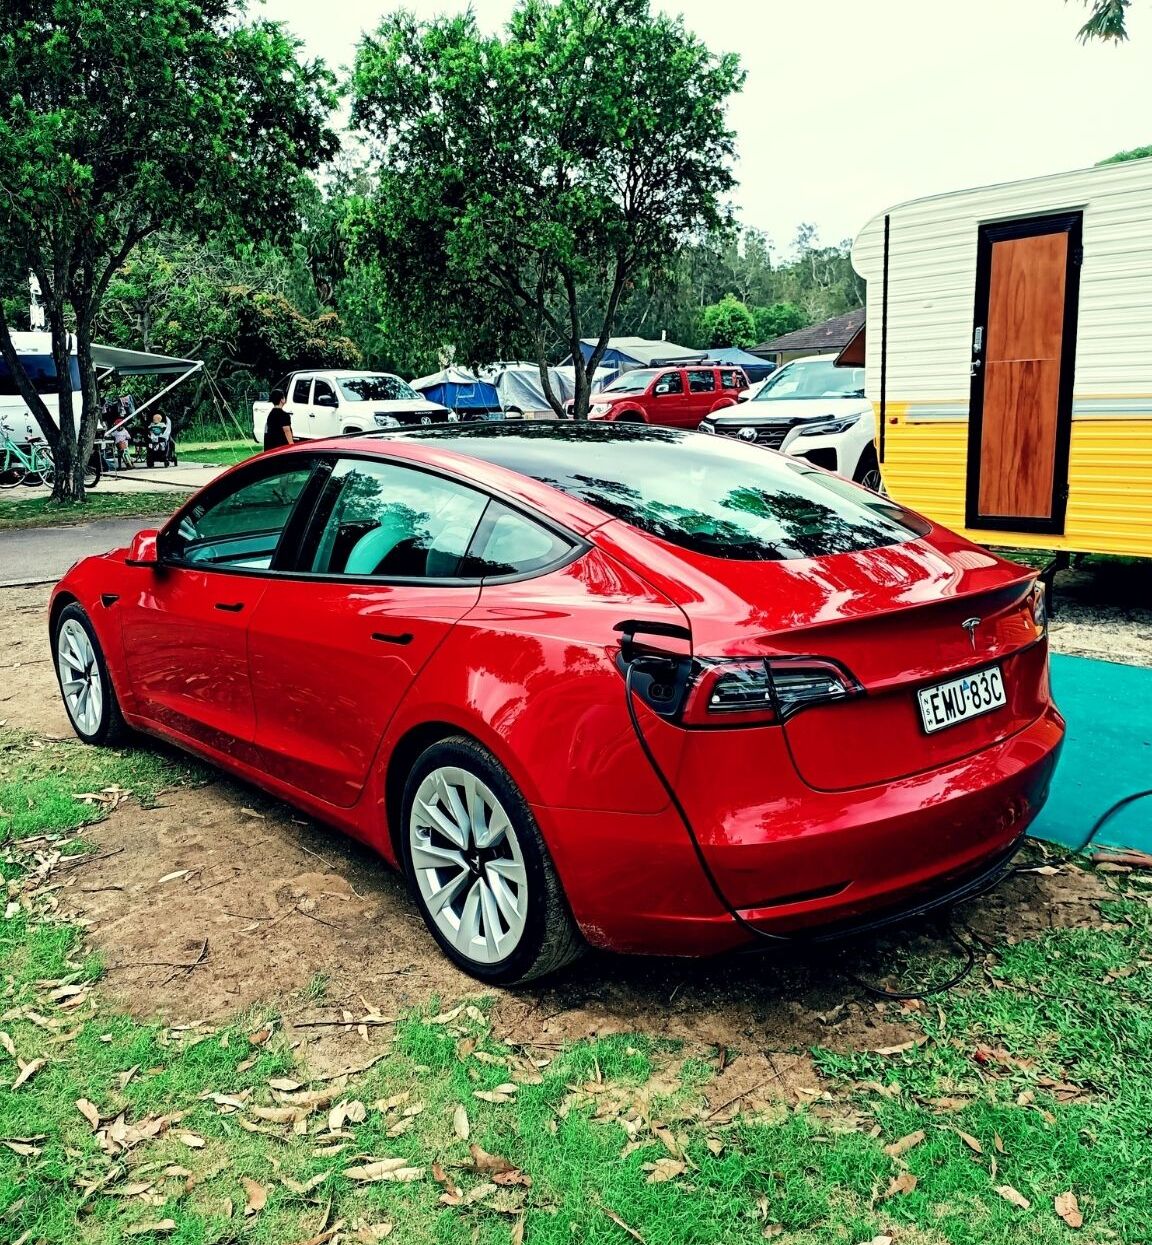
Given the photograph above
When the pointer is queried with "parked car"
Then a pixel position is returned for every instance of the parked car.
(810, 409)
(587, 684)
(324, 404)
(676, 397)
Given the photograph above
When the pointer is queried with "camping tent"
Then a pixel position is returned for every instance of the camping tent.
(753, 367)
(623, 354)
(520, 388)
(460, 391)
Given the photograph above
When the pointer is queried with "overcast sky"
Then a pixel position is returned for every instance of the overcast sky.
(852, 106)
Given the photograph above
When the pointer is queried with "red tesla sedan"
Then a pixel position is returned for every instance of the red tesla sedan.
(588, 684)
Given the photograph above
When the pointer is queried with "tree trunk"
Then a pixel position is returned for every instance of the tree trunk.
(64, 451)
(89, 407)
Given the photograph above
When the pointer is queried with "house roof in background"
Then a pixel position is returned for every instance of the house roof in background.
(829, 335)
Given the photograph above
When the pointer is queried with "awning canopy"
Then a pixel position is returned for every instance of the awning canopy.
(141, 362)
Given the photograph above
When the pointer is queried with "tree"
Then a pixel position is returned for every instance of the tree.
(727, 323)
(1137, 153)
(579, 150)
(1108, 21)
(123, 117)
(775, 321)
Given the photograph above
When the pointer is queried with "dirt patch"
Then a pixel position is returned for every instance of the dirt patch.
(29, 697)
(1104, 610)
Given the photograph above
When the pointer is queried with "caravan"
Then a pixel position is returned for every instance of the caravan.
(1009, 358)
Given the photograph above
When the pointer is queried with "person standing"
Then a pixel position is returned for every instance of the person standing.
(278, 428)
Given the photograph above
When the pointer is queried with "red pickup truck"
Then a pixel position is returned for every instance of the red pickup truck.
(678, 397)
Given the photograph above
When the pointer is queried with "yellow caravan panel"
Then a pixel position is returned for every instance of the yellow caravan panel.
(942, 316)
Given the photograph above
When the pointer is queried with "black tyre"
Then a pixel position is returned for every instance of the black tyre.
(89, 697)
(868, 472)
(93, 471)
(479, 870)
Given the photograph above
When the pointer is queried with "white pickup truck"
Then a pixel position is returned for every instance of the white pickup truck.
(327, 403)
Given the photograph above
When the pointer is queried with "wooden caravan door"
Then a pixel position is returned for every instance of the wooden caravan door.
(1023, 366)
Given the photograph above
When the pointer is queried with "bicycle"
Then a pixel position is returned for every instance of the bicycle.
(32, 465)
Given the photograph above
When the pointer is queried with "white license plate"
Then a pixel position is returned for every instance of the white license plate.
(960, 699)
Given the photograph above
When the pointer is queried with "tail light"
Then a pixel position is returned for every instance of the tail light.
(741, 692)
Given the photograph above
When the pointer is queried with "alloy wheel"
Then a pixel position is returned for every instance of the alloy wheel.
(468, 865)
(80, 677)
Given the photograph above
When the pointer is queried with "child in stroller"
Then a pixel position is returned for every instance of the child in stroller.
(161, 446)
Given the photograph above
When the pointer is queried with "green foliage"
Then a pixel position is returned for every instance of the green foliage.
(780, 318)
(727, 323)
(128, 117)
(576, 152)
(1108, 21)
(1121, 157)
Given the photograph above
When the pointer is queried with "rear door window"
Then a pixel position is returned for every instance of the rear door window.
(702, 380)
(732, 380)
(380, 519)
(301, 390)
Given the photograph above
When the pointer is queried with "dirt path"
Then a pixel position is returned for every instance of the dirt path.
(221, 900)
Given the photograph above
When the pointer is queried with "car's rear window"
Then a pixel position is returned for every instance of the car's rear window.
(706, 494)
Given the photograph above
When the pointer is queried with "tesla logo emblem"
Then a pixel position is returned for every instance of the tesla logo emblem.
(747, 434)
(970, 625)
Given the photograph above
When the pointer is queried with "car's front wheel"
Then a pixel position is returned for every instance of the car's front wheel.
(479, 869)
(85, 686)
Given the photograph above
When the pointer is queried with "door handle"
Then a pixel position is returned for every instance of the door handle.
(231, 607)
(405, 637)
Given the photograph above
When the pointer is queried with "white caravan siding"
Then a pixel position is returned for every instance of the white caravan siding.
(931, 302)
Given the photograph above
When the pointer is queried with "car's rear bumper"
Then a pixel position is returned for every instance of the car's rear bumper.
(802, 864)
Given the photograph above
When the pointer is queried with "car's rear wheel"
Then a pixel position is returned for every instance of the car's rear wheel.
(89, 697)
(479, 869)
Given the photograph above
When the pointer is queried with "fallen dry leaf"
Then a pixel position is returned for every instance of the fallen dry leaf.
(879, 1240)
(482, 1161)
(1014, 1196)
(716, 1146)
(401, 1127)
(283, 1084)
(900, 1048)
(27, 1072)
(138, 1229)
(452, 1194)
(905, 1182)
(307, 1186)
(260, 1036)
(23, 1148)
(486, 1095)
(7, 1043)
(970, 1141)
(1068, 1208)
(518, 1232)
(89, 1111)
(191, 1140)
(663, 1170)
(897, 1148)
(384, 1169)
(370, 1233)
(257, 1196)
(998, 1142)
(460, 1124)
(513, 1177)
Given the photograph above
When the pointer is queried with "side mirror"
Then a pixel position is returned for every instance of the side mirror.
(142, 551)
(326, 399)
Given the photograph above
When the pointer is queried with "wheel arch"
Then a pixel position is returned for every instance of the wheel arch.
(630, 415)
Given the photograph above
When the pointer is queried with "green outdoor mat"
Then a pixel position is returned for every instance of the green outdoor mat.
(1107, 755)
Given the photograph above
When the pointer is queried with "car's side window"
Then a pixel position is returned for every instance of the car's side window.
(323, 394)
(510, 543)
(702, 380)
(239, 531)
(382, 519)
(300, 390)
(732, 380)
(670, 382)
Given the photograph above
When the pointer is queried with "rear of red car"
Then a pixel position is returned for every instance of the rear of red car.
(864, 711)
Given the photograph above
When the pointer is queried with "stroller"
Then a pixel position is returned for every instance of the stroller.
(160, 448)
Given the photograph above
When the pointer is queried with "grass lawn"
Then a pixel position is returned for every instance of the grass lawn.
(21, 512)
(1030, 1082)
(218, 453)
